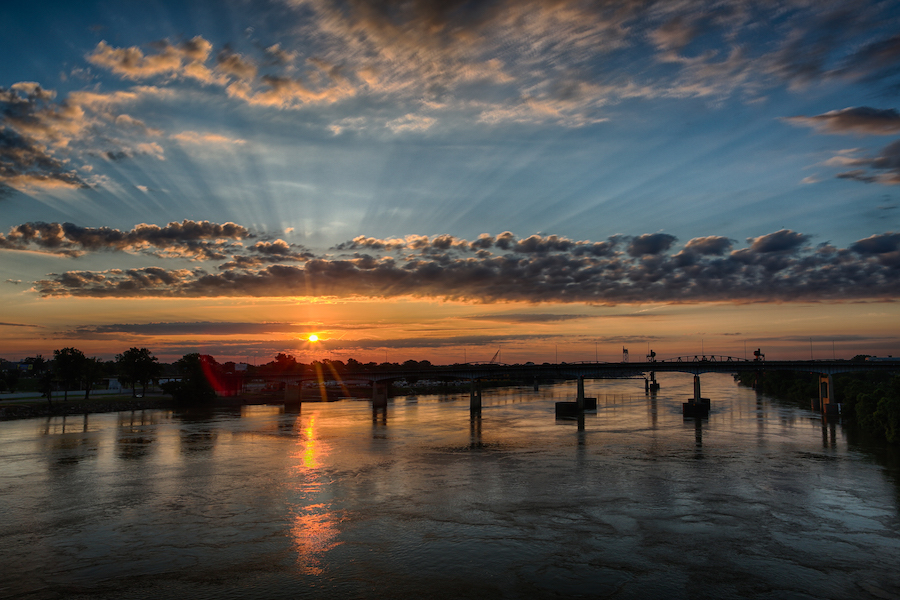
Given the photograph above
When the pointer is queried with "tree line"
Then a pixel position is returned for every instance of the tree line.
(872, 400)
(195, 377)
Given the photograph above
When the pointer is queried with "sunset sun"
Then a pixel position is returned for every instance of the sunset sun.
(313, 338)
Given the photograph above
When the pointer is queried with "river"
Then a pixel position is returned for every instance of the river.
(760, 500)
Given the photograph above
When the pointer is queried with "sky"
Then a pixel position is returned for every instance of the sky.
(452, 181)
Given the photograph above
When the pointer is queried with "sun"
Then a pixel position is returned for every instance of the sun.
(313, 337)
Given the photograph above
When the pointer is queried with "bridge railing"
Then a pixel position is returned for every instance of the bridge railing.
(716, 358)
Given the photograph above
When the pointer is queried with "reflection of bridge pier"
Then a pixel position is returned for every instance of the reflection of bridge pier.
(696, 406)
(475, 442)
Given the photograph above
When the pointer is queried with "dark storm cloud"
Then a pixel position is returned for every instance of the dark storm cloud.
(779, 266)
(199, 240)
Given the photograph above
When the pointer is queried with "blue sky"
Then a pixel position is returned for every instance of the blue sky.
(608, 155)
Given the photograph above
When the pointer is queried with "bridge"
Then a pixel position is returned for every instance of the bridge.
(380, 377)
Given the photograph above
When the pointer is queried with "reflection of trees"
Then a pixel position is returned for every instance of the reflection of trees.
(69, 441)
(134, 436)
(196, 433)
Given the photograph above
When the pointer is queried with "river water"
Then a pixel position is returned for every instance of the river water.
(760, 500)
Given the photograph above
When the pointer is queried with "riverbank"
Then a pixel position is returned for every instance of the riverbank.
(36, 408)
(31, 408)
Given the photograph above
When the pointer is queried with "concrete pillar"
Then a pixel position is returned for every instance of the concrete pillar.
(646, 386)
(536, 384)
(580, 398)
(378, 400)
(826, 395)
(696, 388)
(475, 397)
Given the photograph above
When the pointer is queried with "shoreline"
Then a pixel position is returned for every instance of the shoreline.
(34, 408)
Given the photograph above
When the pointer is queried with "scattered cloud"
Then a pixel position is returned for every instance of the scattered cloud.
(779, 266)
(190, 328)
(861, 120)
(185, 59)
(883, 168)
(528, 317)
(206, 139)
(19, 325)
(197, 240)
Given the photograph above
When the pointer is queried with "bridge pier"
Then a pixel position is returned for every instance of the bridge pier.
(581, 404)
(293, 394)
(826, 396)
(379, 400)
(475, 397)
(536, 388)
(696, 406)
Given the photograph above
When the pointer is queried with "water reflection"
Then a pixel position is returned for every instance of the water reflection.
(314, 525)
(136, 432)
(69, 439)
(331, 503)
(475, 442)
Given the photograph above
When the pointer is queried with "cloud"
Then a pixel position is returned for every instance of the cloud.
(650, 243)
(197, 240)
(883, 168)
(410, 123)
(185, 59)
(784, 240)
(206, 139)
(26, 164)
(775, 267)
(528, 317)
(190, 328)
(711, 245)
(32, 131)
(861, 120)
(236, 65)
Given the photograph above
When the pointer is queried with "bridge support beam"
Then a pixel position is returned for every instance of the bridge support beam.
(697, 406)
(379, 400)
(654, 385)
(826, 396)
(475, 397)
(536, 388)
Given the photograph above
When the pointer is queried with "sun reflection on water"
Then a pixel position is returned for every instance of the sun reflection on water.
(314, 526)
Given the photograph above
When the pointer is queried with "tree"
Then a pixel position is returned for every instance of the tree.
(194, 386)
(37, 364)
(137, 365)
(69, 365)
(91, 373)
